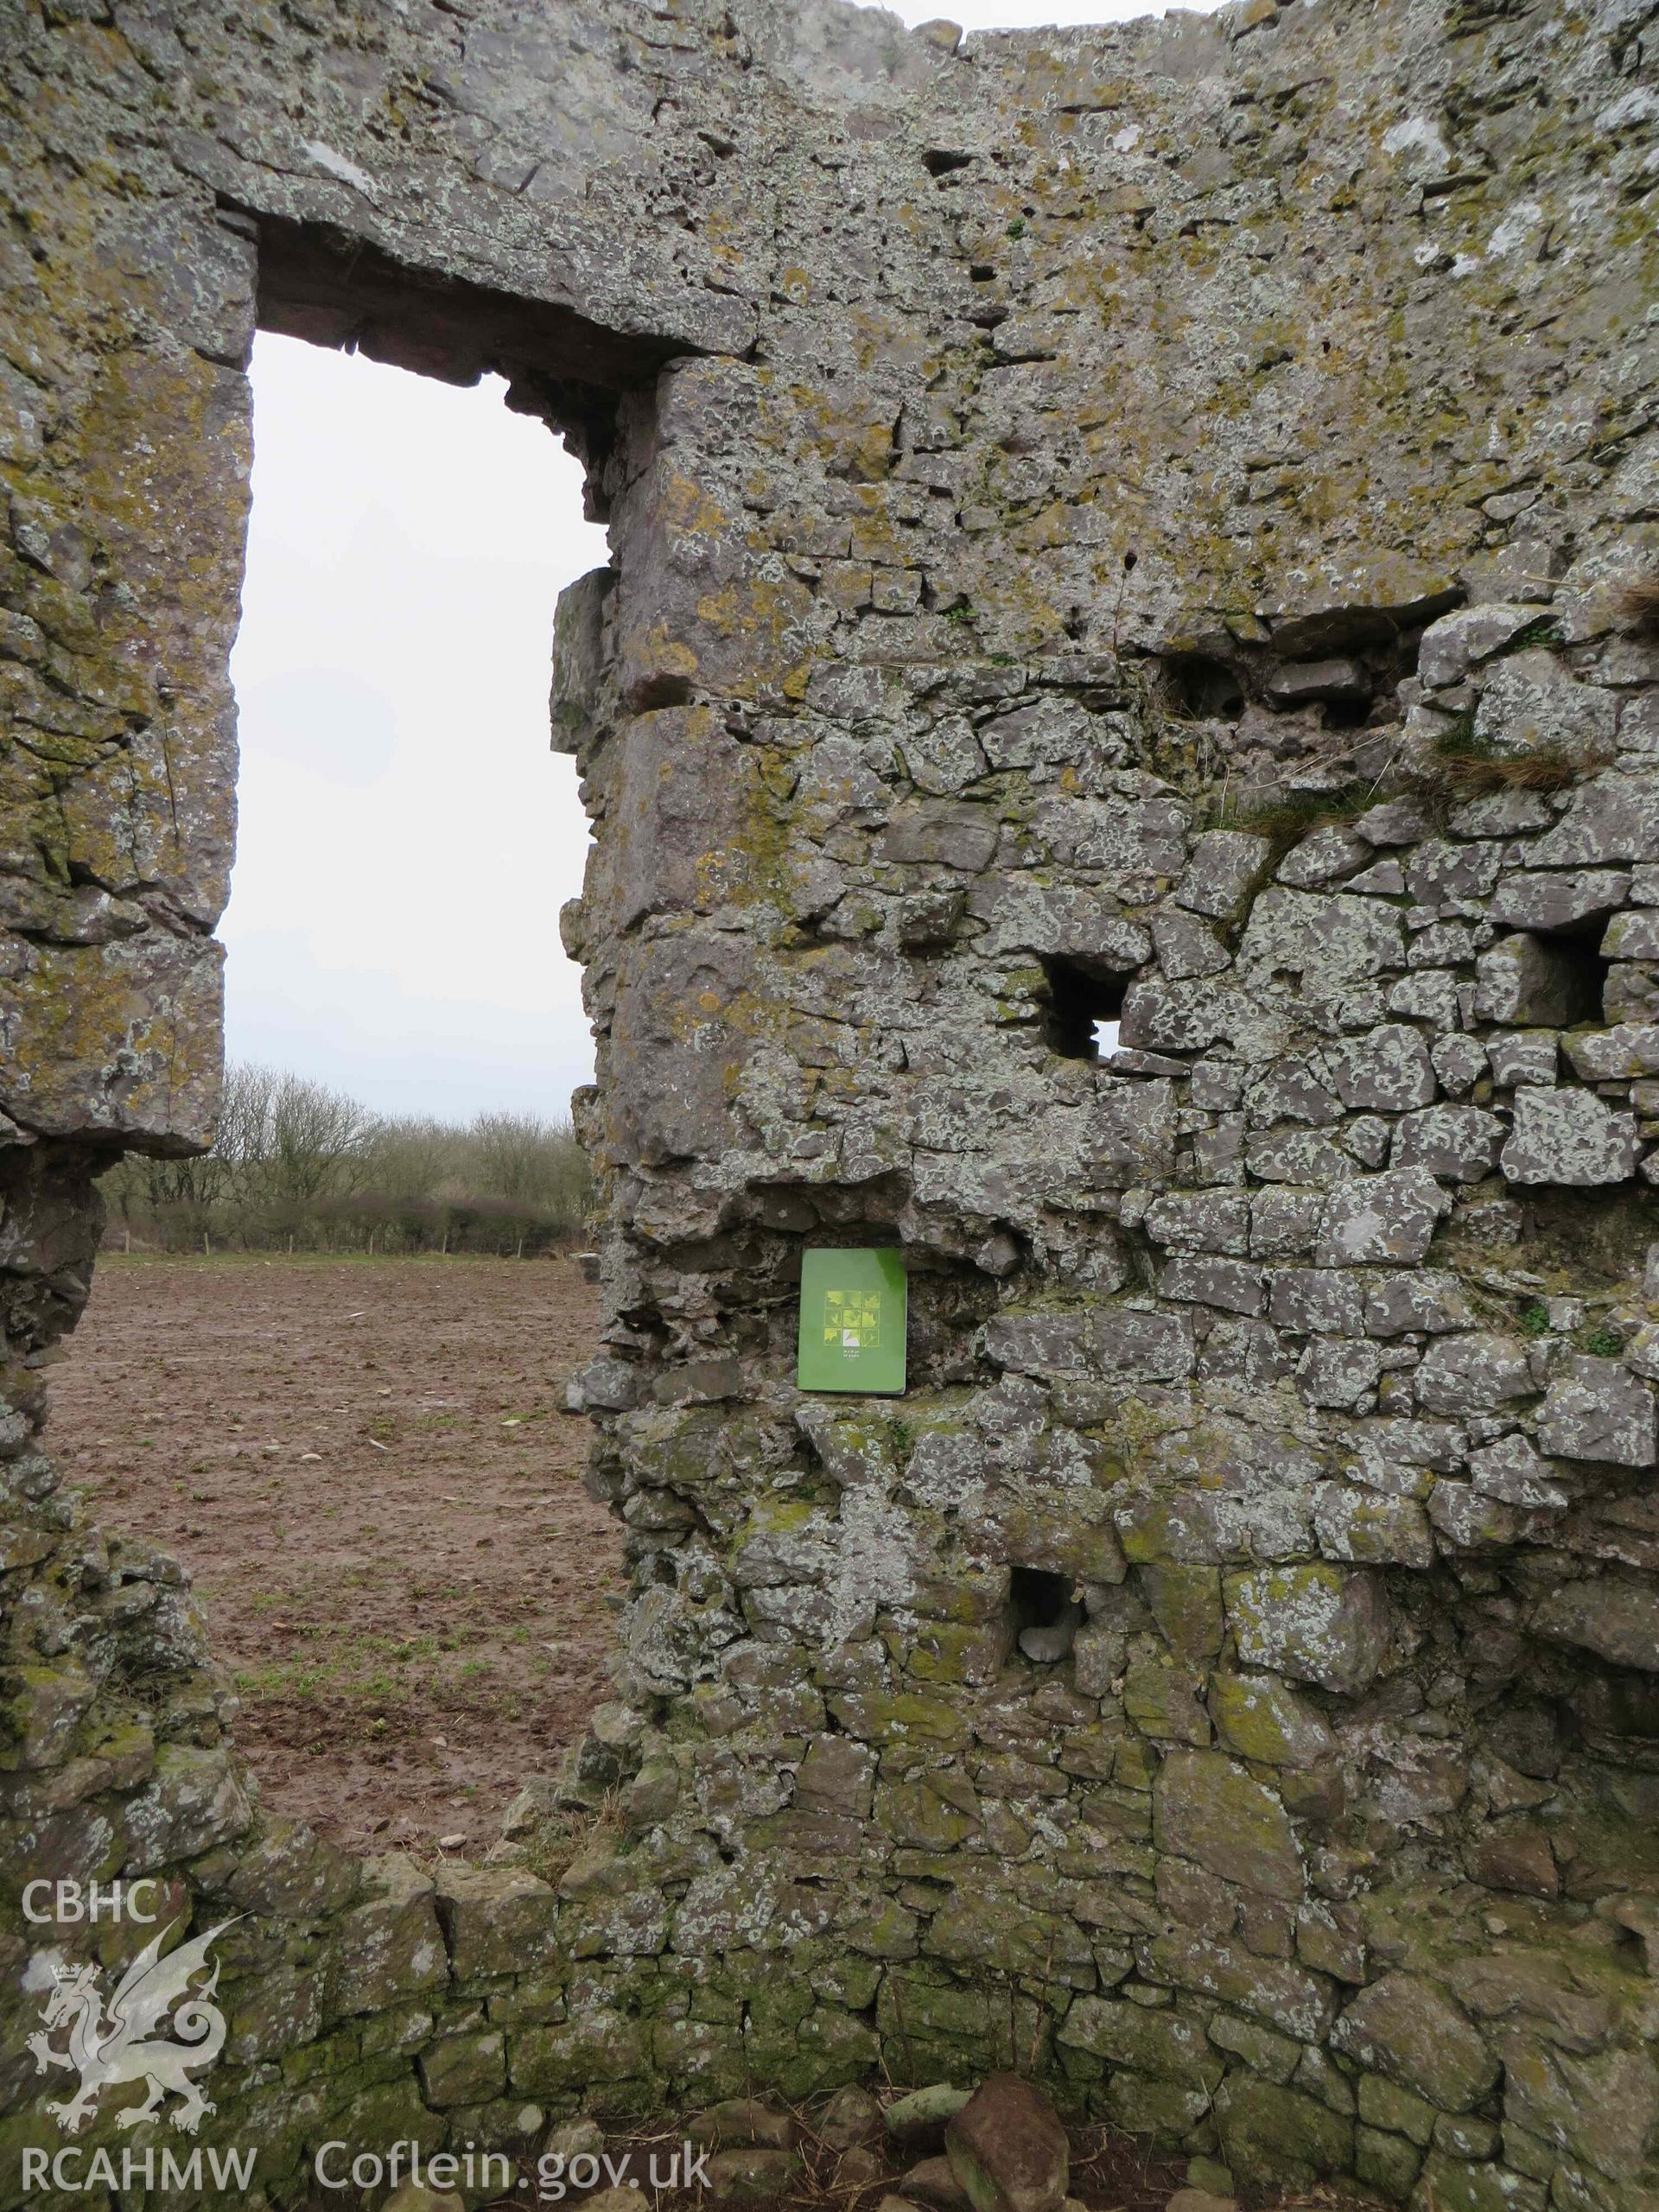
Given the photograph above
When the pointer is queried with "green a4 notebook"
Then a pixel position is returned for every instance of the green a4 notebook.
(852, 1315)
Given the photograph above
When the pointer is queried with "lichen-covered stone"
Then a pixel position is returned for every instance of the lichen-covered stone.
(1207, 1807)
(1223, 866)
(916, 2120)
(1410, 2029)
(464, 2070)
(1386, 1071)
(1597, 1409)
(496, 1920)
(1324, 1299)
(1391, 2106)
(389, 1946)
(1161, 2043)
(1513, 1470)
(1548, 900)
(1316, 1623)
(1278, 2137)
(1285, 1996)
(1475, 1373)
(1611, 1615)
(1164, 1700)
(1342, 1375)
(1262, 1718)
(1390, 1217)
(1600, 2111)
(1568, 1136)
(1524, 1055)
(1531, 701)
(1469, 634)
(1458, 1142)
(1386, 2164)
(1366, 1526)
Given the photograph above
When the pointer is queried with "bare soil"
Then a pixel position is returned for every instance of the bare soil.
(367, 1467)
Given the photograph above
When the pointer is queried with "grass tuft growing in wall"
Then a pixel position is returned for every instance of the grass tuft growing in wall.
(1286, 820)
(1473, 768)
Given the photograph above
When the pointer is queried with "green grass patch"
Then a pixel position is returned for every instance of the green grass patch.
(1542, 630)
(1286, 821)
(1469, 766)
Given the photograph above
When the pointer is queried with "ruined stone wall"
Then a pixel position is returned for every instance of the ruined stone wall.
(1152, 519)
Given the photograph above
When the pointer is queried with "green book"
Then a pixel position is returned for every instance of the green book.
(853, 1314)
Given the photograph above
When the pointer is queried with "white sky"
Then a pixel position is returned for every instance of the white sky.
(407, 838)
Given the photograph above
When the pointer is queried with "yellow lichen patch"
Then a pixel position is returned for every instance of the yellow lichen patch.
(688, 512)
(655, 652)
(122, 1037)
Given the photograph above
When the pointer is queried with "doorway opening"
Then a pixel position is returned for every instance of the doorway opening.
(326, 1366)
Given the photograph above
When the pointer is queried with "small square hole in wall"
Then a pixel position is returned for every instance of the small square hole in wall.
(1346, 714)
(1581, 972)
(1205, 688)
(1085, 1005)
(1037, 1597)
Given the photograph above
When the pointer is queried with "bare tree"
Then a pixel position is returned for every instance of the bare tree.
(413, 1156)
(512, 1154)
(314, 1143)
(295, 1161)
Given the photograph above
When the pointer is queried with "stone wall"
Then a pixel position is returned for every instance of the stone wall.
(1159, 524)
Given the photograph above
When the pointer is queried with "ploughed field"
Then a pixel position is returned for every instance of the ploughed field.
(367, 1470)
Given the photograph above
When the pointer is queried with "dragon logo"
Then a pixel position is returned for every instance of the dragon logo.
(108, 2048)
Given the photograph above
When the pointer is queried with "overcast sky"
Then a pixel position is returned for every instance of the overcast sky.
(407, 838)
